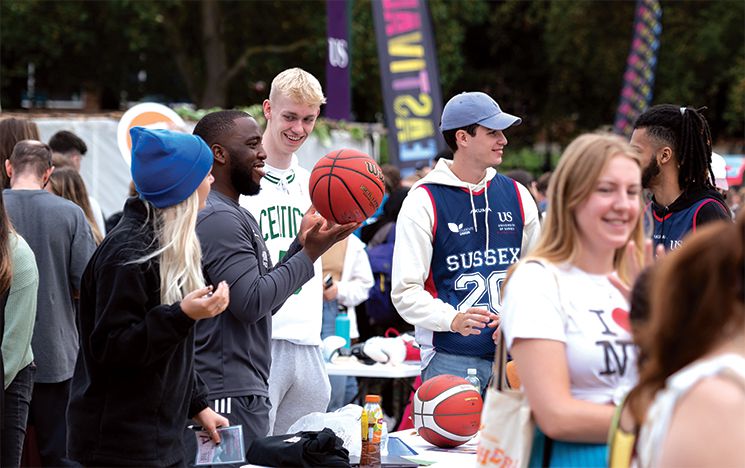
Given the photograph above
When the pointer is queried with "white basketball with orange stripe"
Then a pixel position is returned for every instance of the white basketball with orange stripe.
(447, 411)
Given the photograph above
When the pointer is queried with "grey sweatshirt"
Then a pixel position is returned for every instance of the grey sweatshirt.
(59, 235)
(233, 350)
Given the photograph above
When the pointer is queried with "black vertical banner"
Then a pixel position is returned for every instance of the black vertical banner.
(409, 79)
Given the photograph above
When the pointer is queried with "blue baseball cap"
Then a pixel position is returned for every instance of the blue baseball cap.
(466, 109)
(167, 167)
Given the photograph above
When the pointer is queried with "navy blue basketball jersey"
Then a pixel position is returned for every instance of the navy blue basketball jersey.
(670, 229)
(466, 271)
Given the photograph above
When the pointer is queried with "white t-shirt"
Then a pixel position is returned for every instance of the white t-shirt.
(587, 313)
(279, 207)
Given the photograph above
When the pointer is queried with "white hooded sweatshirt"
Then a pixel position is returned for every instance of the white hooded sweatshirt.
(412, 253)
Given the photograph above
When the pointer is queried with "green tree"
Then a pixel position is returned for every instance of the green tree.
(702, 52)
(220, 48)
(76, 46)
(210, 52)
(558, 64)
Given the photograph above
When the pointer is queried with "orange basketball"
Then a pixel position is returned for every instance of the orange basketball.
(346, 186)
(447, 411)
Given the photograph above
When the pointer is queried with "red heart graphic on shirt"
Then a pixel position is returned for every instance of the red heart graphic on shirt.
(621, 317)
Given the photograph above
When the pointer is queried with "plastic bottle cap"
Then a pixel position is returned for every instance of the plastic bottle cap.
(472, 372)
(372, 399)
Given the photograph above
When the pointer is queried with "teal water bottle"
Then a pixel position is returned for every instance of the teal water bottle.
(342, 325)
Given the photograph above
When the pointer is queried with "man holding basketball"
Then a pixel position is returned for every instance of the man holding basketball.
(231, 349)
(298, 383)
(459, 230)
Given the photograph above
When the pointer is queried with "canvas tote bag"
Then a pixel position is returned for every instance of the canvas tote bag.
(506, 424)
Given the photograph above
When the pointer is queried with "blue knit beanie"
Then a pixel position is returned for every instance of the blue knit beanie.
(167, 167)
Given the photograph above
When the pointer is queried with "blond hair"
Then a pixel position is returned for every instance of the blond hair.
(179, 254)
(571, 184)
(298, 85)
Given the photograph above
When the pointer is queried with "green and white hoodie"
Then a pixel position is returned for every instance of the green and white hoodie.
(279, 207)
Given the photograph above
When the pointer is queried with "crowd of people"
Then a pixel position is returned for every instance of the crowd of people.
(204, 303)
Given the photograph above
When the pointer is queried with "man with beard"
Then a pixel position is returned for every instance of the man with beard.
(232, 350)
(675, 144)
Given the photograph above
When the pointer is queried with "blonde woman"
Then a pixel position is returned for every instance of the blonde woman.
(142, 292)
(67, 183)
(565, 323)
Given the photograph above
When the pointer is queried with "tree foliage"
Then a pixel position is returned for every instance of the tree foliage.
(558, 64)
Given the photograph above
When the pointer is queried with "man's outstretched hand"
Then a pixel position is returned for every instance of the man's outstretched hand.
(317, 234)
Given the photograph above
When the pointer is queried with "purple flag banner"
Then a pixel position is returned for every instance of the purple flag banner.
(638, 80)
(409, 80)
(338, 100)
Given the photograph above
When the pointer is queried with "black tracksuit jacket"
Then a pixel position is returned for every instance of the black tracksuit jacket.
(134, 384)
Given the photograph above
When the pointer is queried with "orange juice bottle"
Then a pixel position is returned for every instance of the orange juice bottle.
(373, 414)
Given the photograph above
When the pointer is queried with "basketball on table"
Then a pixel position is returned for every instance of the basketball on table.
(447, 411)
(346, 186)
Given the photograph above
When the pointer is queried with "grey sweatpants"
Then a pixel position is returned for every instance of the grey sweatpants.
(298, 384)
